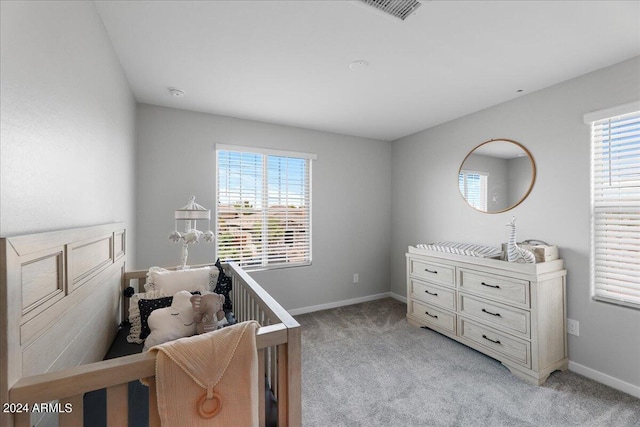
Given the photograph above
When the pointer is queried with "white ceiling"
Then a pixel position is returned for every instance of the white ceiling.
(287, 62)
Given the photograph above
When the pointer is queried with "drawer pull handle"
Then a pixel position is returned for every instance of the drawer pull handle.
(491, 286)
(489, 339)
(430, 271)
(493, 314)
(430, 315)
(435, 294)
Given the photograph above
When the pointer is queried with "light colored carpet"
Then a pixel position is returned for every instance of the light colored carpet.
(364, 365)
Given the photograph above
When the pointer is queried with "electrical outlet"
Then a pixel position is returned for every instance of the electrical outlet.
(356, 278)
(573, 327)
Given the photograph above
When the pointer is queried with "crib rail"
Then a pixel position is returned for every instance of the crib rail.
(278, 342)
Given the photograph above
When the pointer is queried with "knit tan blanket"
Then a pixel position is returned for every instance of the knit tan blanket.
(209, 379)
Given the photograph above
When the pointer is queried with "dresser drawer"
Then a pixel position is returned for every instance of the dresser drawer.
(509, 319)
(499, 343)
(433, 272)
(432, 316)
(495, 287)
(433, 294)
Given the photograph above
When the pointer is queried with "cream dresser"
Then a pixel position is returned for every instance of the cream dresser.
(512, 312)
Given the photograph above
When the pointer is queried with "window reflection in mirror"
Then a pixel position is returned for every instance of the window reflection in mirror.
(496, 176)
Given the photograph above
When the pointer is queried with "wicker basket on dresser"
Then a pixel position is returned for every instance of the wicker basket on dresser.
(512, 312)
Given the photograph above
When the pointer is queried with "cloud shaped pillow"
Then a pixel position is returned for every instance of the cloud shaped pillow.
(171, 323)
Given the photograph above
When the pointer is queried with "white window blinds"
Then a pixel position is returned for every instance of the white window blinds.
(263, 215)
(615, 177)
(473, 186)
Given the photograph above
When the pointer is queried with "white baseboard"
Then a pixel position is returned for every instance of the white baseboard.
(337, 304)
(605, 379)
(398, 297)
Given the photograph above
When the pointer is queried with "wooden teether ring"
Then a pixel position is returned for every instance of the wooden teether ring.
(202, 411)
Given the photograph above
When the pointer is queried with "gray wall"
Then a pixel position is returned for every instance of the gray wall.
(67, 149)
(519, 177)
(350, 207)
(426, 205)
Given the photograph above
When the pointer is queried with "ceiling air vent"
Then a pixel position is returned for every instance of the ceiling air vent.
(399, 8)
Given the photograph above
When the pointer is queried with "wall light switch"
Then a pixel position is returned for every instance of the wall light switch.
(356, 278)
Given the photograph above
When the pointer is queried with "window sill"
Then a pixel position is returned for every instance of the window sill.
(617, 302)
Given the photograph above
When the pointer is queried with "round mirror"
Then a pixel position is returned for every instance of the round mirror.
(497, 175)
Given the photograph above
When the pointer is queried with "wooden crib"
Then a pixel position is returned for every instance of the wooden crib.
(61, 296)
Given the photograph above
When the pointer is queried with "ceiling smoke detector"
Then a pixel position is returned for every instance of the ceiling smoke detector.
(400, 9)
(360, 64)
(176, 93)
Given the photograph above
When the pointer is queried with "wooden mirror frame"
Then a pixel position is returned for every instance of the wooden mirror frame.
(526, 152)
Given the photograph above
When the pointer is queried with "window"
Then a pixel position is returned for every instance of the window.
(473, 186)
(263, 216)
(615, 204)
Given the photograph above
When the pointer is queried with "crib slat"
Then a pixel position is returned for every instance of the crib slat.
(118, 405)
(273, 374)
(235, 292)
(22, 419)
(240, 303)
(75, 417)
(282, 386)
(293, 371)
(261, 378)
(245, 304)
(154, 416)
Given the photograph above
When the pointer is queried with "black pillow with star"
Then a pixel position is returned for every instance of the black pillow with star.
(223, 287)
(146, 307)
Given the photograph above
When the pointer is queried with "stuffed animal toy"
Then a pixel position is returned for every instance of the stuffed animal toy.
(514, 252)
(171, 323)
(208, 312)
